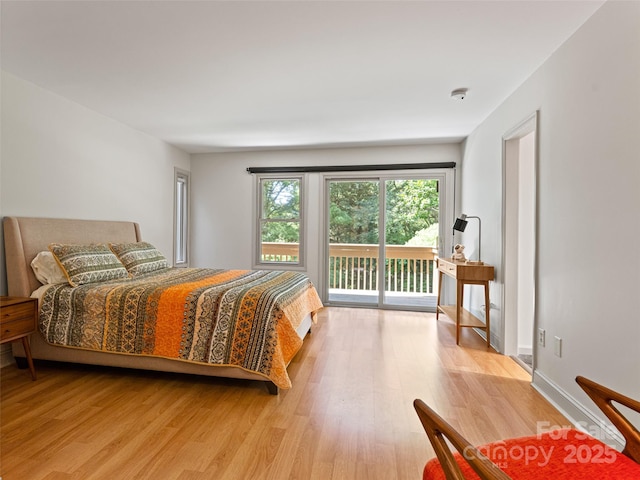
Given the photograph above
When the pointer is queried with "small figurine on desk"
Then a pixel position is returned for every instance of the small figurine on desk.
(458, 253)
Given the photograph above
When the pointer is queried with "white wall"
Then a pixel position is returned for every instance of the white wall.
(59, 159)
(223, 196)
(588, 200)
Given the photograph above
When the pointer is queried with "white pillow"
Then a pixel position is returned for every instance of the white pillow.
(47, 270)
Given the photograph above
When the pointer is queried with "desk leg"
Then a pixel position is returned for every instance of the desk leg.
(459, 298)
(487, 310)
(27, 351)
(439, 294)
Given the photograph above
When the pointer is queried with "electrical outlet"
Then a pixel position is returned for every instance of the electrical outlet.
(557, 346)
(541, 337)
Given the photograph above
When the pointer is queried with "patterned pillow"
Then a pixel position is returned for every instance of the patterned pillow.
(139, 257)
(88, 263)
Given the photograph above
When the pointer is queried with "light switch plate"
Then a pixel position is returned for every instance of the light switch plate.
(557, 346)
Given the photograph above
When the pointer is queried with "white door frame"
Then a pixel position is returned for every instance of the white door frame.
(510, 142)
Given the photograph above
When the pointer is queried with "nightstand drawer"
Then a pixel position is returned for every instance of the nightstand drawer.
(17, 328)
(17, 312)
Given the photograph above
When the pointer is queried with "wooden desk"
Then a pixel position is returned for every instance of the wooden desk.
(465, 274)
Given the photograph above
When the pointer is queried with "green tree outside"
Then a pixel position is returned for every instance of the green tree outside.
(412, 206)
(281, 210)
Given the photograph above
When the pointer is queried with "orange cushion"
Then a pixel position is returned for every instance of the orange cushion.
(560, 454)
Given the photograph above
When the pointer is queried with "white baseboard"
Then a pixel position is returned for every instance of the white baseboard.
(525, 351)
(579, 415)
(519, 361)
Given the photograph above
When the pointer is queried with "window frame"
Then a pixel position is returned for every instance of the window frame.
(181, 217)
(258, 263)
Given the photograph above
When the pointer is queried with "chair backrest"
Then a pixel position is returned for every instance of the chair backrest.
(437, 430)
(604, 397)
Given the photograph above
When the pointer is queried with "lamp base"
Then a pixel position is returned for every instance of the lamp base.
(474, 262)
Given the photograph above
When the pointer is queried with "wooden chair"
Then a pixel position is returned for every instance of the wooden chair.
(560, 454)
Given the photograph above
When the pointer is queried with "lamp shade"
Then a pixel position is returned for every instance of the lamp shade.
(460, 224)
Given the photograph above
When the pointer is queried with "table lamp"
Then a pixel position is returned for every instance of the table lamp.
(460, 225)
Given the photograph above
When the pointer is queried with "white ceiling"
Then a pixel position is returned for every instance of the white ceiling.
(220, 75)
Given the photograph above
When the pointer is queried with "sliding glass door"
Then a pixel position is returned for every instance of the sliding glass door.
(382, 241)
(411, 219)
(354, 240)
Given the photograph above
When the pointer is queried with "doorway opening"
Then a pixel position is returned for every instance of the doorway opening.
(520, 233)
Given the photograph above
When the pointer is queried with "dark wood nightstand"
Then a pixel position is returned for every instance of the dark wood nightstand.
(18, 318)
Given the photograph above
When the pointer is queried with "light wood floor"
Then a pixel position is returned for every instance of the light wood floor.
(349, 414)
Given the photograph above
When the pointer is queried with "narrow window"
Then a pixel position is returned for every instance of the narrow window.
(279, 228)
(181, 219)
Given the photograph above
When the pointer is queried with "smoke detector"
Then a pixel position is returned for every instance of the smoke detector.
(459, 93)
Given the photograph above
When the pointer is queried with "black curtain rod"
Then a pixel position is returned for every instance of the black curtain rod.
(352, 168)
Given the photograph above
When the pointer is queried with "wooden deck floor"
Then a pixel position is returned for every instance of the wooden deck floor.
(349, 414)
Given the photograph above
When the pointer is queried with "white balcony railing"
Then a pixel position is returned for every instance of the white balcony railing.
(355, 267)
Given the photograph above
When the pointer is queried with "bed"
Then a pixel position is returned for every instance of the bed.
(287, 301)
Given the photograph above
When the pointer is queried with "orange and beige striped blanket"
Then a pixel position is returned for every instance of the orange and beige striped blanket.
(241, 318)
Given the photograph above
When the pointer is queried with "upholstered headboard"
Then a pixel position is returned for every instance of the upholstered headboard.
(25, 237)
